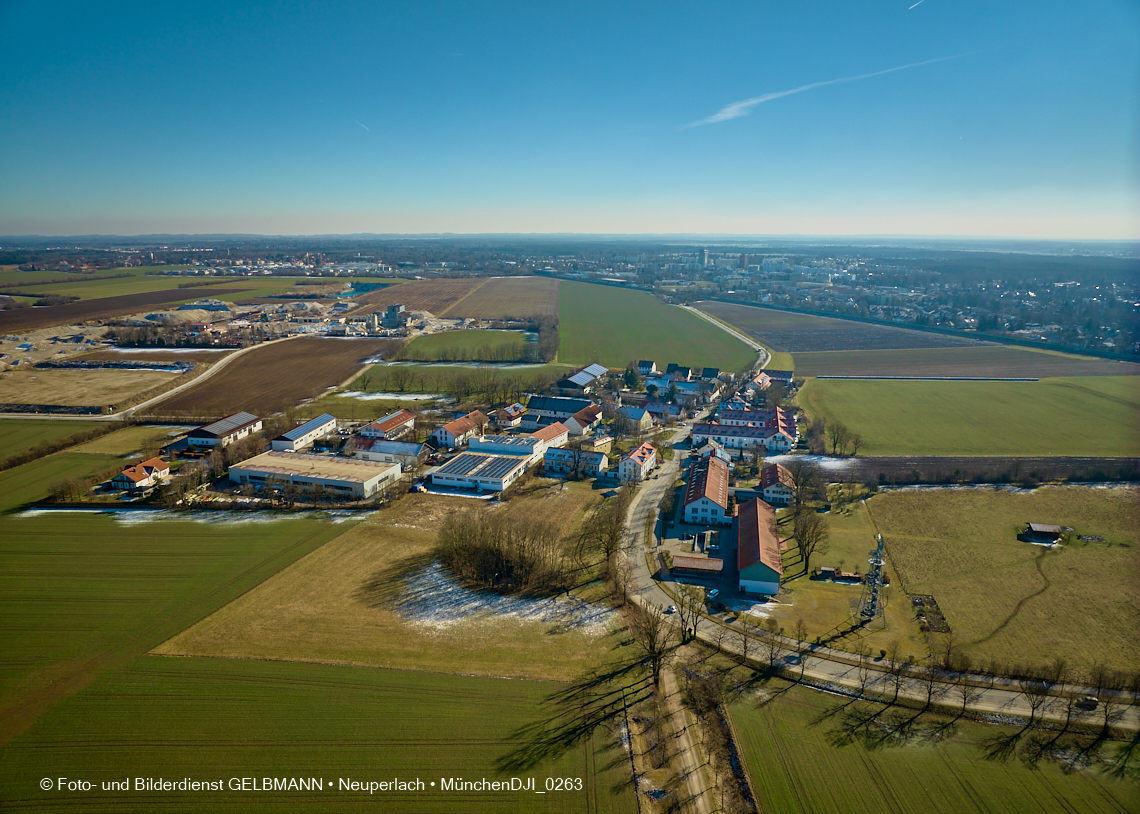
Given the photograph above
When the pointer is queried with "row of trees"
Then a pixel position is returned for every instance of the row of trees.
(504, 553)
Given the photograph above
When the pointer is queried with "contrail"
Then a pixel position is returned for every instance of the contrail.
(362, 126)
(738, 109)
(919, 3)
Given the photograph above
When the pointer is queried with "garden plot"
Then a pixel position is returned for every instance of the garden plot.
(433, 597)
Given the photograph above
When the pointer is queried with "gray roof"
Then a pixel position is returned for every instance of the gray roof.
(307, 427)
(558, 405)
(226, 425)
(481, 466)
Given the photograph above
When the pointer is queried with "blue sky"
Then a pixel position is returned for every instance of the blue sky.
(301, 118)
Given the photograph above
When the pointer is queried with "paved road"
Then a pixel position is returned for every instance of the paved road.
(823, 664)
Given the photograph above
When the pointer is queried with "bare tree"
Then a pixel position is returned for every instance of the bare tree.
(604, 530)
(802, 646)
(838, 434)
(865, 674)
(967, 692)
(855, 441)
(896, 667)
(931, 681)
(400, 376)
(772, 644)
(811, 532)
(688, 613)
(1036, 692)
(745, 642)
(806, 478)
(945, 649)
(653, 633)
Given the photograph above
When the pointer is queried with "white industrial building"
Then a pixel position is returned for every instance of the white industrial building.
(225, 431)
(489, 473)
(340, 477)
(303, 436)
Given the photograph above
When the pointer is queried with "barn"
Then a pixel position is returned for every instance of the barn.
(758, 549)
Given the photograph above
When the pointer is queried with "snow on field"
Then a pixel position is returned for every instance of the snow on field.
(134, 517)
(824, 462)
(356, 394)
(433, 598)
(171, 350)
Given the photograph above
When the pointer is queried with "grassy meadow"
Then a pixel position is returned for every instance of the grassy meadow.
(221, 718)
(338, 605)
(469, 344)
(979, 361)
(614, 326)
(808, 752)
(129, 440)
(32, 481)
(1015, 601)
(21, 435)
(1079, 416)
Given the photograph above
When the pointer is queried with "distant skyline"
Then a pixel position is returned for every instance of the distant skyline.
(991, 119)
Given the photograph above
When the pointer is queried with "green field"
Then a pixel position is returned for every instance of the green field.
(614, 326)
(1016, 601)
(31, 482)
(469, 344)
(130, 440)
(807, 752)
(18, 435)
(213, 718)
(981, 361)
(1082, 416)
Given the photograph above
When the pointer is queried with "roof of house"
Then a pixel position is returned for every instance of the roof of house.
(466, 423)
(142, 471)
(643, 454)
(1045, 528)
(587, 375)
(675, 368)
(227, 425)
(520, 441)
(513, 410)
(384, 445)
(472, 464)
(697, 563)
(636, 413)
(747, 431)
(774, 474)
(710, 372)
(585, 456)
(757, 539)
(588, 415)
(550, 432)
(646, 363)
(553, 404)
(708, 477)
(392, 421)
(308, 427)
(598, 440)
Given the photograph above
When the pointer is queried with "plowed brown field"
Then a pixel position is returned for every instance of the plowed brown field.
(504, 297)
(273, 377)
(435, 296)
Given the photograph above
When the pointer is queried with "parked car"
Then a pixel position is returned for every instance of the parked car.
(1088, 702)
(671, 609)
(714, 593)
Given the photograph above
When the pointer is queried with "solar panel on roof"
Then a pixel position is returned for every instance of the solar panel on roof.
(308, 427)
(230, 423)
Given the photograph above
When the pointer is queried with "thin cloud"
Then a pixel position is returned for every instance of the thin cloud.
(362, 126)
(916, 5)
(743, 107)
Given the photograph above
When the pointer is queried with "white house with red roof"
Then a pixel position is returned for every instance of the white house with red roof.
(457, 432)
(142, 475)
(637, 464)
(777, 485)
(706, 500)
(391, 426)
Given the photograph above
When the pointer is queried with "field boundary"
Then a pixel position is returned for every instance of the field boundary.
(931, 378)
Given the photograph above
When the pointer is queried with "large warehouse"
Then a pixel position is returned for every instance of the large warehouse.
(303, 436)
(339, 477)
(224, 432)
(489, 473)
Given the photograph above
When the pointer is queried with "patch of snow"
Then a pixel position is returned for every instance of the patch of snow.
(434, 598)
(357, 394)
(134, 517)
(824, 462)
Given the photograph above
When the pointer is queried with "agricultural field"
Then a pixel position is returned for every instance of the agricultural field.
(373, 597)
(808, 752)
(507, 297)
(615, 326)
(274, 377)
(797, 333)
(219, 718)
(435, 296)
(131, 440)
(206, 355)
(997, 361)
(504, 346)
(1022, 603)
(22, 320)
(17, 435)
(33, 481)
(1080, 416)
(83, 592)
(78, 388)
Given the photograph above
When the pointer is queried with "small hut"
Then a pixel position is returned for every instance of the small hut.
(1042, 533)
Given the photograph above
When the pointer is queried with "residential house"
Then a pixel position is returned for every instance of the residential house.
(678, 372)
(777, 485)
(560, 460)
(709, 374)
(584, 420)
(637, 464)
(712, 448)
(646, 368)
(638, 419)
(457, 432)
(706, 500)
(758, 550)
(510, 416)
(601, 443)
(391, 426)
(142, 475)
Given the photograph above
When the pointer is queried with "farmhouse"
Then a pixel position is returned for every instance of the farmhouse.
(689, 565)
(777, 485)
(637, 464)
(391, 426)
(142, 475)
(584, 420)
(341, 477)
(458, 431)
(224, 432)
(583, 381)
(470, 470)
(706, 494)
(561, 460)
(303, 436)
(408, 454)
(758, 549)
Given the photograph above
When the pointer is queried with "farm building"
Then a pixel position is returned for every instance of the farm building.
(638, 418)
(637, 464)
(460, 430)
(303, 436)
(561, 460)
(391, 426)
(706, 499)
(584, 420)
(142, 475)
(489, 473)
(777, 485)
(1042, 533)
(224, 432)
(690, 565)
(583, 381)
(758, 549)
(408, 454)
(551, 407)
(340, 477)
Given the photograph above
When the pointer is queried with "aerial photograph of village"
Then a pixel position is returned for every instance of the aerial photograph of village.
(600, 409)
